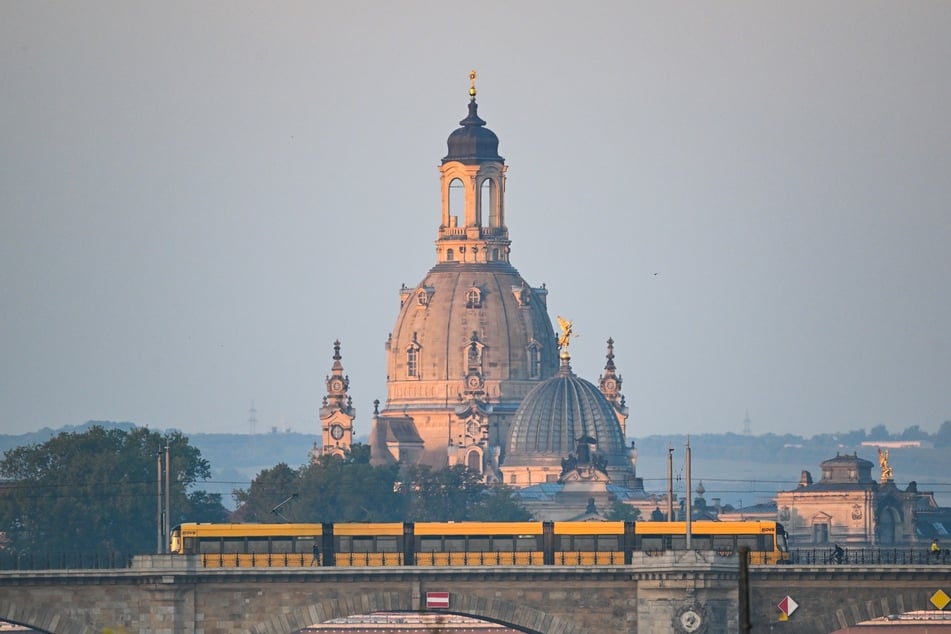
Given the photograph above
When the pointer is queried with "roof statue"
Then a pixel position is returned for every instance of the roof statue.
(472, 90)
(565, 336)
(883, 462)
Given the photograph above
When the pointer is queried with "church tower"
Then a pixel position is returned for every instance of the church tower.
(472, 338)
(336, 412)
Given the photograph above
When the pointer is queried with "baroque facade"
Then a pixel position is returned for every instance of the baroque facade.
(847, 506)
(473, 361)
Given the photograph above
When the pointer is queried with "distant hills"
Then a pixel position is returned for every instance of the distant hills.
(740, 470)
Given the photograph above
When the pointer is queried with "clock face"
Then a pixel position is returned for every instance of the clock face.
(472, 428)
(609, 384)
(474, 382)
(336, 385)
(690, 620)
(336, 431)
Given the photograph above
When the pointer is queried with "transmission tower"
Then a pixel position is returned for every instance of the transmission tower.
(252, 418)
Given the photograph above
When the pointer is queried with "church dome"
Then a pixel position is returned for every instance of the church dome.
(556, 414)
(457, 306)
(473, 142)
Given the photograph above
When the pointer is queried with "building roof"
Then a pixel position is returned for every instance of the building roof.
(558, 413)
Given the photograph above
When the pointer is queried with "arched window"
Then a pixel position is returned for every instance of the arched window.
(412, 360)
(534, 360)
(450, 255)
(473, 298)
(457, 201)
(422, 298)
(487, 204)
(474, 461)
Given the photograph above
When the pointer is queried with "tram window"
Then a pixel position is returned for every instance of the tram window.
(479, 544)
(654, 542)
(526, 543)
(304, 545)
(723, 543)
(701, 542)
(678, 542)
(232, 545)
(607, 543)
(430, 544)
(583, 543)
(750, 541)
(503, 544)
(455, 544)
(345, 545)
(362, 545)
(257, 545)
(387, 544)
(281, 545)
(209, 546)
(190, 544)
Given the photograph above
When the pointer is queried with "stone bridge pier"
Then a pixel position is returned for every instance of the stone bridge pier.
(682, 592)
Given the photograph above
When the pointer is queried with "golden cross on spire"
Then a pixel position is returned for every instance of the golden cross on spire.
(472, 90)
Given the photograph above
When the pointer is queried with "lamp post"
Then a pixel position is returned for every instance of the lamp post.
(168, 495)
(689, 496)
(159, 520)
(162, 493)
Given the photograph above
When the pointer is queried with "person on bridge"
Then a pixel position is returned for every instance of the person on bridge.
(316, 560)
(838, 554)
(935, 549)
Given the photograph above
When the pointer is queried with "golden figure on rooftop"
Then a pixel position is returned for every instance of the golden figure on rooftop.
(883, 462)
(565, 336)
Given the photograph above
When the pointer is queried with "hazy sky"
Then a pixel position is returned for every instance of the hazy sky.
(752, 198)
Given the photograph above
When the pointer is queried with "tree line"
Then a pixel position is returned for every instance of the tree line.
(98, 490)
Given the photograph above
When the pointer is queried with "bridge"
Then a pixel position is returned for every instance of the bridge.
(678, 592)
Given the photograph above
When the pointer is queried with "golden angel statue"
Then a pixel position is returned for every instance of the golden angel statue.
(883, 462)
(565, 332)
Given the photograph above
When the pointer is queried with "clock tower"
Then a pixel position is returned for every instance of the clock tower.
(336, 412)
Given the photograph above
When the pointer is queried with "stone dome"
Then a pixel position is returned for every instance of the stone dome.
(458, 304)
(473, 142)
(556, 414)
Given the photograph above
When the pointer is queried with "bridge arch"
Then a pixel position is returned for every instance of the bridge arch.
(834, 598)
(507, 613)
(855, 611)
(40, 617)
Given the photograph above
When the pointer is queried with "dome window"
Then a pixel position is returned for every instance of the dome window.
(534, 360)
(412, 361)
(473, 298)
(424, 296)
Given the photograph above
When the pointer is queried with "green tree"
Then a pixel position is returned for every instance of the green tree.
(328, 490)
(620, 511)
(332, 489)
(456, 494)
(879, 432)
(359, 453)
(498, 503)
(914, 432)
(272, 489)
(335, 490)
(97, 491)
(943, 436)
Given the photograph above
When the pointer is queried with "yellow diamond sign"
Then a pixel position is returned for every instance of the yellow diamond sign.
(940, 599)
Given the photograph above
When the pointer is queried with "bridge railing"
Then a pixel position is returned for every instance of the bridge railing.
(65, 560)
(867, 556)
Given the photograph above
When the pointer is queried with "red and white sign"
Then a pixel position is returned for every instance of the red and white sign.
(437, 600)
(787, 606)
